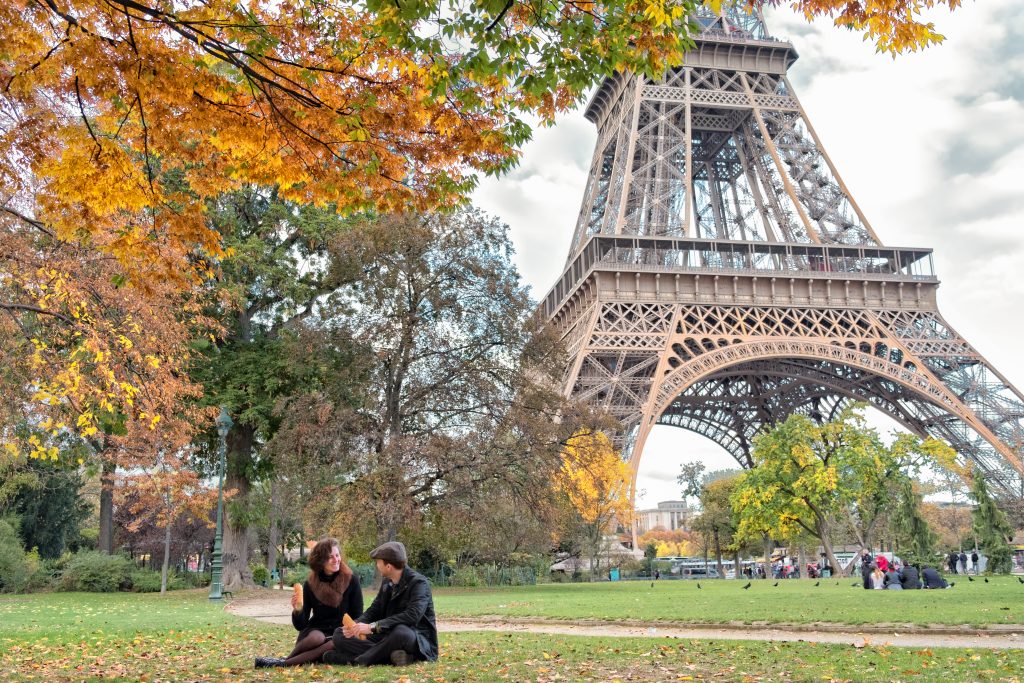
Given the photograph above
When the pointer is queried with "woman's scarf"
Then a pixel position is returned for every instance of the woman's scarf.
(329, 588)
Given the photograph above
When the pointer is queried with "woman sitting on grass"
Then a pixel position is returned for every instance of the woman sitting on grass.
(331, 591)
(877, 578)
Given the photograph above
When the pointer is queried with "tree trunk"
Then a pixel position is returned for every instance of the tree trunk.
(706, 544)
(826, 542)
(272, 535)
(105, 542)
(736, 564)
(235, 546)
(802, 552)
(167, 547)
(767, 557)
(718, 556)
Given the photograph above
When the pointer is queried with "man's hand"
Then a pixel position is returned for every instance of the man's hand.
(356, 629)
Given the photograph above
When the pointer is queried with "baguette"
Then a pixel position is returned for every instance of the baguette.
(346, 620)
(297, 588)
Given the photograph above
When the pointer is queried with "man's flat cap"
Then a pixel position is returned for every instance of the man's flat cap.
(391, 552)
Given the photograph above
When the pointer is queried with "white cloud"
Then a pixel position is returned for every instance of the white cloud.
(930, 144)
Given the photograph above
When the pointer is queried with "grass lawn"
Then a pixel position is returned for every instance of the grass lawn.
(76, 637)
(1001, 601)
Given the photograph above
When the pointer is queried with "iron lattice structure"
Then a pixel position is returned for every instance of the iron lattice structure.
(721, 277)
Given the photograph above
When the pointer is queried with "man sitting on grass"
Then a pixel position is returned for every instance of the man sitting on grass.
(932, 579)
(399, 626)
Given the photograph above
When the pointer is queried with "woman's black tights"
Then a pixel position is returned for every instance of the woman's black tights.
(309, 649)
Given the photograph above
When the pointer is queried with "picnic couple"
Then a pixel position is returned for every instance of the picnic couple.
(398, 628)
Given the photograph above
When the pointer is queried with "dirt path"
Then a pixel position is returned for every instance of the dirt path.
(273, 607)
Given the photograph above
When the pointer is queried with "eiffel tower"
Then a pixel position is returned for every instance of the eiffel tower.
(721, 277)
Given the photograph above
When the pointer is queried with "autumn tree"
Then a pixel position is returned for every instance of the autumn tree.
(596, 481)
(717, 520)
(993, 531)
(460, 389)
(950, 522)
(141, 526)
(675, 542)
(93, 369)
(809, 476)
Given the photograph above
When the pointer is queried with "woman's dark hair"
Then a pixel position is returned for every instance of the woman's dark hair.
(321, 552)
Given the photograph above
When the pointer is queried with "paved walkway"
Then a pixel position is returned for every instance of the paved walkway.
(273, 607)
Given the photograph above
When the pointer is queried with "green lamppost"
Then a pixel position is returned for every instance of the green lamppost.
(223, 425)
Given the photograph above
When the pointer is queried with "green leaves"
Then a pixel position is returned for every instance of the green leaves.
(807, 476)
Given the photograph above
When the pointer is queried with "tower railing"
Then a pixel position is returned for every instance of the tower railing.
(752, 258)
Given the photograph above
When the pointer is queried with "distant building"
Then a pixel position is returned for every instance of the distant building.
(669, 515)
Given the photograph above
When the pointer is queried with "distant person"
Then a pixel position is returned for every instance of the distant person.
(877, 578)
(866, 565)
(657, 574)
(932, 579)
(892, 580)
(330, 591)
(952, 561)
(963, 562)
(399, 626)
(974, 561)
(882, 563)
(909, 578)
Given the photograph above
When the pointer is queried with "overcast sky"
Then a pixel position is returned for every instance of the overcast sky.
(931, 146)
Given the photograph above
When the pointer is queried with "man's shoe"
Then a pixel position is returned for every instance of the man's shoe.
(266, 662)
(333, 657)
(400, 658)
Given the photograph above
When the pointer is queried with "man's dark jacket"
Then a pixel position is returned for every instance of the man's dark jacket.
(932, 578)
(865, 571)
(909, 578)
(408, 602)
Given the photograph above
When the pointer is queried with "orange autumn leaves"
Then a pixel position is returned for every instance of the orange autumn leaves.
(894, 26)
(128, 116)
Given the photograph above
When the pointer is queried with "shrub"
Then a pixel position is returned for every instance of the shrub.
(16, 566)
(492, 575)
(145, 581)
(148, 581)
(466, 576)
(95, 572)
(365, 571)
(259, 574)
(294, 575)
(196, 579)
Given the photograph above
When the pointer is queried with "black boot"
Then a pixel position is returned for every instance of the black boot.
(266, 662)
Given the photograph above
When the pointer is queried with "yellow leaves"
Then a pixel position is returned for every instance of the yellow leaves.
(595, 479)
(894, 26)
(37, 449)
